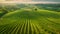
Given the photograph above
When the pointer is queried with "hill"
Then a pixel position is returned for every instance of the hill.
(30, 22)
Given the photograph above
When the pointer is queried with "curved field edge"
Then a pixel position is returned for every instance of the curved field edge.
(38, 22)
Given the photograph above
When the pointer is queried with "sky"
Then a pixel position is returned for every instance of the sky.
(30, 1)
(48, 0)
(34, 0)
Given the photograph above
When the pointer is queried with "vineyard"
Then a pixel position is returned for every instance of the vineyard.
(30, 19)
(30, 22)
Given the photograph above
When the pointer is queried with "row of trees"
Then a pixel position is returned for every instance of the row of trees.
(53, 7)
(10, 8)
(6, 9)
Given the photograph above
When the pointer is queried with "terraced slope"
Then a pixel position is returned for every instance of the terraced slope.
(30, 22)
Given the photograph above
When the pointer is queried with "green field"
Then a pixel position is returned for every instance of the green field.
(28, 21)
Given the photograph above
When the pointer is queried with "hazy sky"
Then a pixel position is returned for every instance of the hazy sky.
(31, 1)
(34, 0)
(48, 0)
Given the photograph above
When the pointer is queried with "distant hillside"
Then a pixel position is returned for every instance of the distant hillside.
(52, 7)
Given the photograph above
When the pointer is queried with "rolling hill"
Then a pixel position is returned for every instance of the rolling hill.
(30, 22)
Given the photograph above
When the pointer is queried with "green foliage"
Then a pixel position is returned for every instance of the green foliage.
(52, 7)
(29, 20)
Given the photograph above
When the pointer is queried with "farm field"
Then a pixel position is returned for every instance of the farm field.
(29, 21)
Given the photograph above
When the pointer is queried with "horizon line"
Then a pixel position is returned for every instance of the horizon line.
(32, 2)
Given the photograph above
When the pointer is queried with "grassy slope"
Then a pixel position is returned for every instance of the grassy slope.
(30, 22)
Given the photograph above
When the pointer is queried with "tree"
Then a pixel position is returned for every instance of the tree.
(35, 9)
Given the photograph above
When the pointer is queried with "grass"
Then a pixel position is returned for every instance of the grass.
(30, 22)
